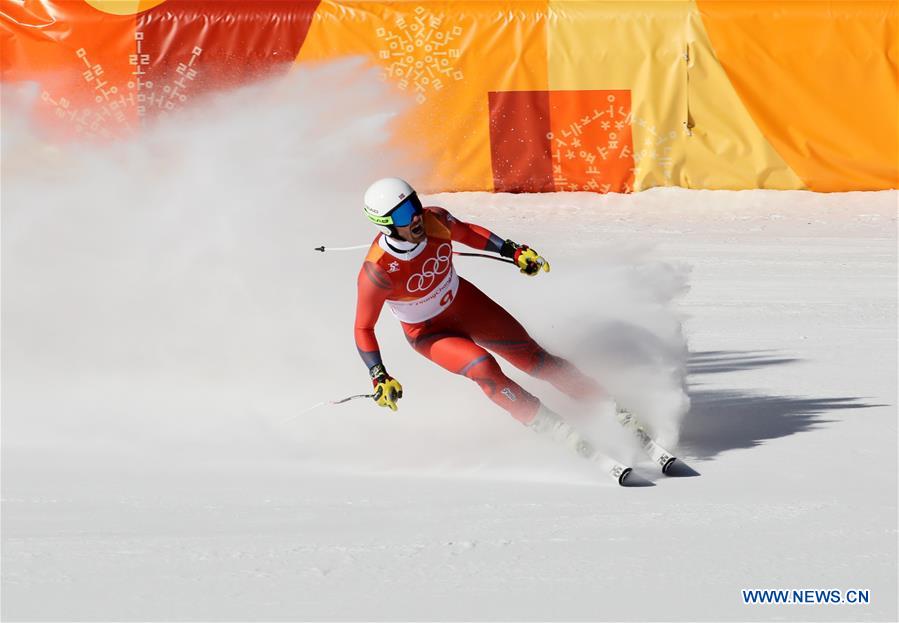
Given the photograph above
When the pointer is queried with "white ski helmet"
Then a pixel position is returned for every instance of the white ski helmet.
(383, 197)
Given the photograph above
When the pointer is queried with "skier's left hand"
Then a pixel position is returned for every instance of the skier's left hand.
(529, 261)
(387, 389)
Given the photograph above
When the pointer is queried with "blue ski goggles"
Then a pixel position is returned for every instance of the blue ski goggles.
(402, 215)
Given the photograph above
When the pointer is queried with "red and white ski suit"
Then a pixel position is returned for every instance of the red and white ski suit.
(449, 320)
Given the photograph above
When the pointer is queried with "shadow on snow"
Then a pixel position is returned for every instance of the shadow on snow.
(728, 420)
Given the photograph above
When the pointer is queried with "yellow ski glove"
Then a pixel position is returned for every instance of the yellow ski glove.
(387, 389)
(529, 261)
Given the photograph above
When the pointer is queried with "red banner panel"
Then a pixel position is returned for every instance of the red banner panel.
(102, 75)
(561, 140)
(191, 46)
(519, 149)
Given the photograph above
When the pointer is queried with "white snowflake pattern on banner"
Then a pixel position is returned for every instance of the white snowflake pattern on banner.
(422, 52)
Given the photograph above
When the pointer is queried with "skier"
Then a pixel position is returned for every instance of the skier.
(446, 318)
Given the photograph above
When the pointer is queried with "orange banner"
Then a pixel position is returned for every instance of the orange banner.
(603, 96)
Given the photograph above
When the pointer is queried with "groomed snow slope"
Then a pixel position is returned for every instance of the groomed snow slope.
(161, 347)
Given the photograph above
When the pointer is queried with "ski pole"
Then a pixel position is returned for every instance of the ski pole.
(328, 403)
(323, 248)
(348, 398)
(489, 257)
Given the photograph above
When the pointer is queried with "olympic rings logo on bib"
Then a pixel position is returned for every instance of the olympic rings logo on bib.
(431, 269)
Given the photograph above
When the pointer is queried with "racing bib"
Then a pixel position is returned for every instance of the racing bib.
(430, 305)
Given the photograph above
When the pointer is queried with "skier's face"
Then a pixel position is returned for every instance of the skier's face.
(414, 231)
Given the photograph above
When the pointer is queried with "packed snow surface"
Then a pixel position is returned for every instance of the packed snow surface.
(168, 331)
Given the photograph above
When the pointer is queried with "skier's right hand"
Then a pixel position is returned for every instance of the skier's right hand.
(387, 389)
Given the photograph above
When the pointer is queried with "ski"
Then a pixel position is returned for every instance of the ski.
(621, 473)
(613, 468)
(659, 455)
(550, 425)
